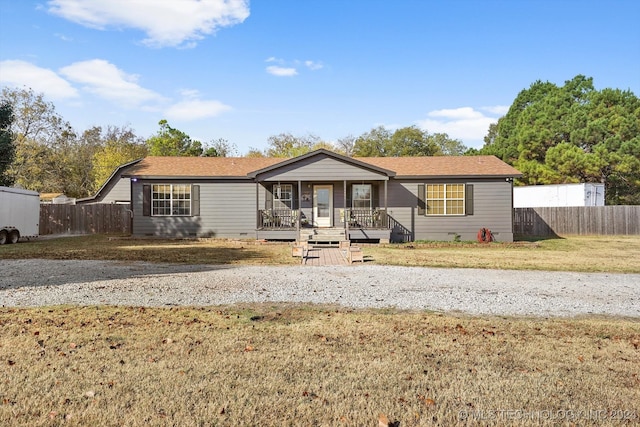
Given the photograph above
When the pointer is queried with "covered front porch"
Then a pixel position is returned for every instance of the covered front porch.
(322, 191)
(291, 211)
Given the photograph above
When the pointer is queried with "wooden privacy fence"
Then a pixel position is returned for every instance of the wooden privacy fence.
(85, 219)
(576, 220)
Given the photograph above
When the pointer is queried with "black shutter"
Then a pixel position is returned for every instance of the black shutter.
(422, 206)
(468, 199)
(195, 200)
(146, 200)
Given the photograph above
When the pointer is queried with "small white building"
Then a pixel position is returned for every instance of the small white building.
(537, 196)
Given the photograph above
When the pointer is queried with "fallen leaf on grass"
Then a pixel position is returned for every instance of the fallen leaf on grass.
(427, 401)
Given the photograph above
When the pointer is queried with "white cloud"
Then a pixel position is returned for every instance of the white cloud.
(195, 109)
(281, 71)
(500, 110)
(41, 80)
(63, 37)
(312, 65)
(288, 68)
(165, 22)
(107, 81)
(190, 93)
(463, 123)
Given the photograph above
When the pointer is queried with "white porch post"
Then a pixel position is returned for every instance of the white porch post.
(385, 194)
(344, 208)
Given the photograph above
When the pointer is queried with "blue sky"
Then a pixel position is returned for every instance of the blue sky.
(244, 71)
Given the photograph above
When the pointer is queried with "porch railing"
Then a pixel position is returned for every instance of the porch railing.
(277, 218)
(286, 219)
(367, 218)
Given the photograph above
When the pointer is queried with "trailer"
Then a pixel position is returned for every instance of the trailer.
(19, 214)
(553, 195)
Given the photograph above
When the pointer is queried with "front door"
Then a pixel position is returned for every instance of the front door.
(322, 205)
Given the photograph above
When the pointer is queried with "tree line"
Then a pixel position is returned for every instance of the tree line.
(41, 151)
(552, 134)
(572, 133)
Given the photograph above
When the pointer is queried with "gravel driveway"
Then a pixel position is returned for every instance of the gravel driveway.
(46, 282)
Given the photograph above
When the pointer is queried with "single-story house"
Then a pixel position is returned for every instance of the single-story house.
(367, 198)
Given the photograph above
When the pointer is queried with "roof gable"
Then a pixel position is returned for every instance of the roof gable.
(319, 155)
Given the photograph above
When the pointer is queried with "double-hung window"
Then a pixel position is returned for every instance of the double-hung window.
(361, 196)
(284, 194)
(445, 199)
(171, 200)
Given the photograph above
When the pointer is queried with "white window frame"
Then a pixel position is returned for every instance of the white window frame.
(278, 192)
(174, 204)
(353, 197)
(445, 201)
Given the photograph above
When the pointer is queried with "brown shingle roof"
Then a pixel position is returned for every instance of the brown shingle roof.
(201, 166)
(403, 166)
(444, 166)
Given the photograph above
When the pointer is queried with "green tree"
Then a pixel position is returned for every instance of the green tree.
(412, 141)
(407, 141)
(288, 145)
(374, 143)
(173, 142)
(41, 138)
(573, 133)
(254, 152)
(448, 146)
(119, 145)
(220, 148)
(7, 147)
(502, 140)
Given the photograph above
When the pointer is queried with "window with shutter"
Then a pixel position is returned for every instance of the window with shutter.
(170, 200)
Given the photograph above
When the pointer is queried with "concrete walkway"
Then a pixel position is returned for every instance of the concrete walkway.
(325, 256)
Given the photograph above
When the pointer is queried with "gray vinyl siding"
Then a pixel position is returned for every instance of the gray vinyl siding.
(320, 168)
(120, 192)
(492, 209)
(227, 209)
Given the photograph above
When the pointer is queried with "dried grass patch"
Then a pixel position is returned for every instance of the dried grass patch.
(181, 251)
(307, 365)
(612, 254)
(572, 253)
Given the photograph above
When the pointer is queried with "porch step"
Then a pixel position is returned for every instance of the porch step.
(323, 236)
